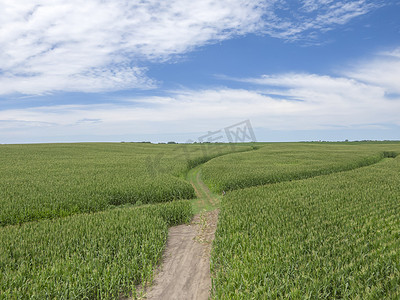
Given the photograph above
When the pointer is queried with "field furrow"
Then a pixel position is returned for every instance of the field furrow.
(333, 236)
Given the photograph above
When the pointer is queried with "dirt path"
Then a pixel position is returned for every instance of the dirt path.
(185, 270)
(206, 200)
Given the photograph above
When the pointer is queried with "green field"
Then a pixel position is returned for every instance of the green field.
(329, 237)
(55, 180)
(287, 161)
(92, 256)
(299, 220)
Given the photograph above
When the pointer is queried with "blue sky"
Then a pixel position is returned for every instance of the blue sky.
(119, 70)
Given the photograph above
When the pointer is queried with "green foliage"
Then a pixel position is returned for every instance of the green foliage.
(333, 236)
(390, 154)
(329, 237)
(55, 180)
(277, 162)
(211, 151)
(87, 256)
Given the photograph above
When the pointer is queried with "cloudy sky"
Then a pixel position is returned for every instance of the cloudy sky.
(130, 70)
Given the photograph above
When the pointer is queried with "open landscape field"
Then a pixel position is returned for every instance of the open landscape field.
(88, 256)
(282, 162)
(55, 180)
(299, 220)
(175, 150)
(329, 237)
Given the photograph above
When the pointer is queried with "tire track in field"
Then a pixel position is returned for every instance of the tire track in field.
(205, 189)
(185, 270)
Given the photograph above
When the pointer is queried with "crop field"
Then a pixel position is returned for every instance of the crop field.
(279, 162)
(55, 180)
(60, 247)
(298, 221)
(335, 236)
(88, 256)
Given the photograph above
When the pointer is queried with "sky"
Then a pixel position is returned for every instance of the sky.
(177, 70)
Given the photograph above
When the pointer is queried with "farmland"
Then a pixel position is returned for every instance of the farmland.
(285, 161)
(57, 180)
(299, 220)
(328, 237)
(95, 256)
(62, 247)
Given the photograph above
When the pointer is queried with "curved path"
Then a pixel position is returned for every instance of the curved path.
(185, 271)
(206, 200)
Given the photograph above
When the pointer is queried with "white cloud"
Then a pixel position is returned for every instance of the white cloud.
(313, 5)
(383, 71)
(98, 45)
(367, 93)
(364, 96)
(313, 16)
(302, 102)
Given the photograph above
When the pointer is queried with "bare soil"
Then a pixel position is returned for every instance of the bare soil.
(185, 270)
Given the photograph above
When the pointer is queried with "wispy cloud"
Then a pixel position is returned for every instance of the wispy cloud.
(295, 101)
(382, 71)
(99, 45)
(312, 16)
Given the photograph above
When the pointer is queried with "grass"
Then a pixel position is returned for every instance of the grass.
(205, 200)
(88, 256)
(60, 249)
(56, 180)
(290, 161)
(332, 236)
(329, 237)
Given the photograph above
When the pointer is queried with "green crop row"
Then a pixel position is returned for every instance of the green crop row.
(57, 198)
(89, 256)
(55, 180)
(289, 161)
(329, 237)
